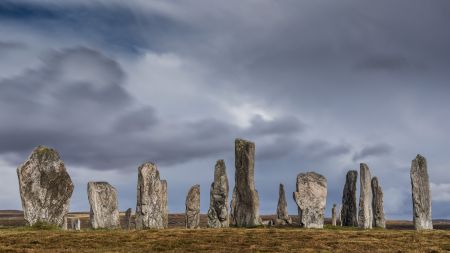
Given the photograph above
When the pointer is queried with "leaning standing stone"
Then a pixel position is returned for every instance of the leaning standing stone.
(421, 194)
(149, 207)
(128, 224)
(245, 201)
(282, 211)
(365, 217)
(193, 207)
(104, 208)
(377, 204)
(334, 215)
(45, 187)
(311, 198)
(349, 211)
(218, 202)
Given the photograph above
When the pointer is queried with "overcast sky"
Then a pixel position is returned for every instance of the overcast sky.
(317, 85)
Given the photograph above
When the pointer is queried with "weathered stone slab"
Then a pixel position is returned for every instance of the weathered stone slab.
(311, 198)
(193, 207)
(149, 206)
(45, 187)
(218, 216)
(165, 204)
(365, 215)
(349, 211)
(282, 211)
(104, 211)
(377, 204)
(128, 223)
(245, 201)
(421, 194)
(334, 215)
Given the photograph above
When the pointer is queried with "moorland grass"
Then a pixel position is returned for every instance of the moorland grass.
(289, 239)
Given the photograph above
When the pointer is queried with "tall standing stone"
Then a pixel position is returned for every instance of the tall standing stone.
(282, 211)
(149, 206)
(349, 210)
(245, 201)
(365, 215)
(45, 187)
(165, 204)
(218, 202)
(334, 215)
(377, 204)
(421, 194)
(193, 207)
(104, 207)
(311, 199)
(128, 223)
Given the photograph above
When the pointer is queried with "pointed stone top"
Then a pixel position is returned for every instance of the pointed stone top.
(43, 153)
(334, 205)
(421, 160)
(99, 183)
(363, 165)
(313, 176)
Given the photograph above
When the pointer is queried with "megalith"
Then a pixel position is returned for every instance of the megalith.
(45, 187)
(377, 204)
(165, 204)
(282, 211)
(349, 211)
(334, 215)
(365, 215)
(127, 221)
(421, 194)
(193, 207)
(218, 216)
(104, 211)
(311, 198)
(245, 200)
(149, 206)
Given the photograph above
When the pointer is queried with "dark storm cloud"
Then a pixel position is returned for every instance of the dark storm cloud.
(373, 150)
(109, 25)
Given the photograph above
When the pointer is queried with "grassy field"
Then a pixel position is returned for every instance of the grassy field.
(225, 240)
(399, 237)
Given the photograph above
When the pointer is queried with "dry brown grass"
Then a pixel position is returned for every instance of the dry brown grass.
(225, 240)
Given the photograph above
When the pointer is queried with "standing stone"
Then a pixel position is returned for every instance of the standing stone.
(193, 207)
(78, 224)
(311, 198)
(334, 215)
(245, 201)
(421, 194)
(282, 211)
(365, 215)
(45, 187)
(377, 204)
(349, 212)
(149, 206)
(165, 204)
(218, 201)
(65, 226)
(128, 224)
(104, 208)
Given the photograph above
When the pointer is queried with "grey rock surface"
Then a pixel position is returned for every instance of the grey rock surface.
(334, 215)
(282, 211)
(104, 212)
(377, 205)
(218, 216)
(45, 187)
(128, 223)
(349, 211)
(165, 204)
(311, 198)
(193, 207)
(245, 201)
(421, 194)
(149, 206)
(365, 214)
